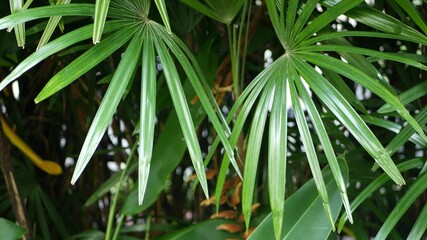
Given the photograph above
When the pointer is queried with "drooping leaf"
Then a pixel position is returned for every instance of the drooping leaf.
(109, 104)
(147, 114)
(27, 15)
(309, 148)
(183, 113)
(202, 90)
(349, 118)
(365, 80)
(52, 48)
(253, 150)
(85, 62)
(326, 145)
(248, 97)
(277, 150)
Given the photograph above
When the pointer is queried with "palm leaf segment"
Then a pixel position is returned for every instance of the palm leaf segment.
(128, 24)
(305, 60)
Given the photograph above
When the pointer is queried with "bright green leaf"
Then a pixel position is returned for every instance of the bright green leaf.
(108, 105)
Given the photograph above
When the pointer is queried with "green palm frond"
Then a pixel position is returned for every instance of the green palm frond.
(134, 23)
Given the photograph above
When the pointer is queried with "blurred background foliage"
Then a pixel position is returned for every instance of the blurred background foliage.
(103, 202)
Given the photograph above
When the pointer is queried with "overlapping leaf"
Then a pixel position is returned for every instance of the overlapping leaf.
(108, 106)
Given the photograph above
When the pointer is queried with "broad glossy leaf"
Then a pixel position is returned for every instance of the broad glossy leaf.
(54, 47)
(85, 62)
(304, 214)
(349, 118)
(9, 230)
(109, 103)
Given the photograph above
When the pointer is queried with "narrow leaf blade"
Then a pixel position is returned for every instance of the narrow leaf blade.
(147, 115)
(52, 48)
(309, 149)
(277, 152)
(349, 118)
(109, 104)
(84, 63)
(181, 107)
(101, 10)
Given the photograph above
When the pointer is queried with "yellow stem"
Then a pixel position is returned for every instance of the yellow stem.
(47, 166)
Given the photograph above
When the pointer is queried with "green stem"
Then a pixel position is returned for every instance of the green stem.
(246, 17)
(147, 229)
(116, 195)
(119, 225)
(234, 58)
